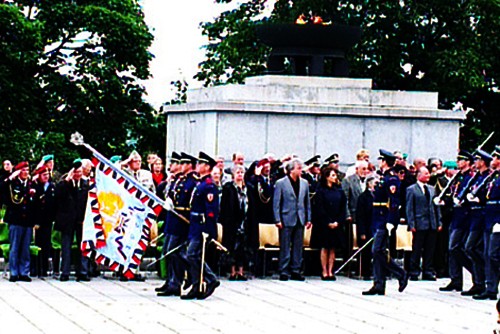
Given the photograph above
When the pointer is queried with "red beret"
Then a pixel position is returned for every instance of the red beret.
(21, 165)
(262, 162)
(41, 170)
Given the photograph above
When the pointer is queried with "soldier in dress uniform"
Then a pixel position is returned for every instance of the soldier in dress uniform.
(176, 230)
(475, 197)
(460, 224)
(203, 219)
(18, 199)
(385, 218)
(44, 214)
(491, 237)
(333, 161)
(312, 173)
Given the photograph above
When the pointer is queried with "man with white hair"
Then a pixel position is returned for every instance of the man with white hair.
(133, 167)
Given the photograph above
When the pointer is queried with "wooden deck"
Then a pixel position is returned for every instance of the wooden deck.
(106, 305)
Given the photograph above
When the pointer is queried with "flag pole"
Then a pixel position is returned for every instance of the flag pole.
(77, 139)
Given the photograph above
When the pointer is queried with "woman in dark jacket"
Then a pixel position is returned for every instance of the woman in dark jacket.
(233, 217)
(330, 205)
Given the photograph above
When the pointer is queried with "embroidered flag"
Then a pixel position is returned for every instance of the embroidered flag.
(117, 222)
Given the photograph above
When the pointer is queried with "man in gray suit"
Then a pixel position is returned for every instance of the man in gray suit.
(292, 211)
(424, 220)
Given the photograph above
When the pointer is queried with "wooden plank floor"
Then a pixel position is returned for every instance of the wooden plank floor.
(106, 305)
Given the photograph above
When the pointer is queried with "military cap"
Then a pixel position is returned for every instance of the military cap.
(334, 158)
(21, 165)
(205, 158)
(77, 163)
(386, 155)
(464, 155)
(262, 162)
(134, 155)
(496, 152)
(175, 158)
(314, 161)
(115, 158)
(480, 154)
(48, 157)
(41, 170)
(187, 159)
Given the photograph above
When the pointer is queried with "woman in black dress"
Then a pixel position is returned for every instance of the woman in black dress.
(330, 206)
(233, 217)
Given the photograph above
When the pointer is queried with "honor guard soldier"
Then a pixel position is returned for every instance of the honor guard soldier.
(311, 175)
(203, 222)
(18, 200)
(333, 161)
(176, 229)
(385, 218)
(475, 196)
(491, 239)
(460, 225)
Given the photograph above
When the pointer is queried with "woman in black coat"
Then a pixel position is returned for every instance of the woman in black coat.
(233, 217)
(330, 214)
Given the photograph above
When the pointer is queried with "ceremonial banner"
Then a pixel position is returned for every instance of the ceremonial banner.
(117, 222)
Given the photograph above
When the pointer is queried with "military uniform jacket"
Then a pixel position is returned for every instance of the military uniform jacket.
(386, 200)
(460, 213)
(492, 197)
(262, 190)
(181, 194)
(477, 208)
(44, 204)
(204, 209)
(18, 200)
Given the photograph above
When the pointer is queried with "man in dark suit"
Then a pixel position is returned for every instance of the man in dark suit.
(292, 211)
(71, 198)
(424, 221)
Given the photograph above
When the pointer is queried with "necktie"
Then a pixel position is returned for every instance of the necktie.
(426, 193)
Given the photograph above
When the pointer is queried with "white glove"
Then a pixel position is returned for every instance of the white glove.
(472, 198)
(496, 228)
(457, 202)
(169, 205)
(389, 227)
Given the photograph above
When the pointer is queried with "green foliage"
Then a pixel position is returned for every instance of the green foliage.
(69, 66)
(451, 46)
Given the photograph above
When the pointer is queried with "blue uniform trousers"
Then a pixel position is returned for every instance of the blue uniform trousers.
(19, 253)
(176, 265)
(193, 256)
(382, 263)
(474, 249)
(492, 260)
(458, 259)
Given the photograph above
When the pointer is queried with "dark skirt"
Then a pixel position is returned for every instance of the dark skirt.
(324, 237)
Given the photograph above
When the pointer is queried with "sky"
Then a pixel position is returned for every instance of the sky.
(178, 42)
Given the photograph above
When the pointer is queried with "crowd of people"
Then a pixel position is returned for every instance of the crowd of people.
(452, 211)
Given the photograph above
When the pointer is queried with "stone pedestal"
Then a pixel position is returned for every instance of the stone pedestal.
(308, 116)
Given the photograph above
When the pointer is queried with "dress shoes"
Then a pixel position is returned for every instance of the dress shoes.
(24, 278)
(428, 277)
(83, 278)
(485, 296)
(413, 278)
(451, 287)
(162, 288)
(233, 277)
(374, 291)
(13, 278)
(331, 278)
(297, 277)
(138, 278)
(64, 278)
(475, 290)
(192, 294)
(167, 292)
(403, 282)
(210, 290)
(241, 278)
(283, 277)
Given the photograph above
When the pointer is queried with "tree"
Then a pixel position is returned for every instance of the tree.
(70, 66)
(443, 46)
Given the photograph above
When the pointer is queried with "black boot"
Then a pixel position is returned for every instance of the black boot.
(374, 291)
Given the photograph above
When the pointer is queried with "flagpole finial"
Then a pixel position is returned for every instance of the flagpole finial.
(77, 139)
